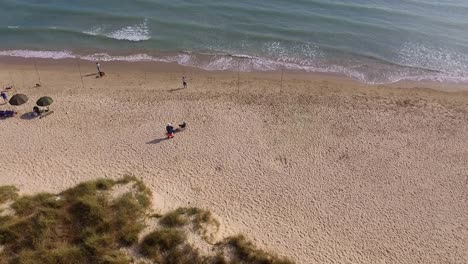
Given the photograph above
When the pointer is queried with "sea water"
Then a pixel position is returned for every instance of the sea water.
(374, 41)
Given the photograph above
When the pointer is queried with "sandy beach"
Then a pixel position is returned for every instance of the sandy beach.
(318, 168)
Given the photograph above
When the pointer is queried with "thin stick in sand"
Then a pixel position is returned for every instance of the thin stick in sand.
(281, 85)
(37, 72)
(238, 76)
(22, 77)
(11, 79)
(81, 75)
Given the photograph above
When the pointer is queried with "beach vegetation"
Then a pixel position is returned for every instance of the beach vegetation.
(243, 251)
(8, 193)
(90, 224)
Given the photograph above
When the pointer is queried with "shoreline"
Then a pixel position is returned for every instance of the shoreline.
(364, 72)
(321, 169)
(152, 67)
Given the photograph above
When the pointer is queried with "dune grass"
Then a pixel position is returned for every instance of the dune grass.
(86, 224)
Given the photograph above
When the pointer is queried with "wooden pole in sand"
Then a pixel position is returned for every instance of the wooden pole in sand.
(281, 85)
(238, 76)
(11, 79)
(37, 72)
(22, 77)
(81, 75)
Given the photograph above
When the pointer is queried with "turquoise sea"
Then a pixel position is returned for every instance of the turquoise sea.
(374, 41)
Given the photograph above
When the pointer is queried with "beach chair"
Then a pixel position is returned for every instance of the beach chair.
(7, 113)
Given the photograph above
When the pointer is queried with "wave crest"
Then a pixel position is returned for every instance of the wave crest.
(367, 71)
(137, 32)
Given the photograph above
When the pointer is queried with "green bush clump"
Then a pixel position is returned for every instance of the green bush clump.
(85, 224)
(8, 193)
(80, 225)
(183, 216)
(161, 241)
(169, 246)
(245, 252)
(176, 218)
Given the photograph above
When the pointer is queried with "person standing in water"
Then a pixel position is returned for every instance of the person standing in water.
(184, 81)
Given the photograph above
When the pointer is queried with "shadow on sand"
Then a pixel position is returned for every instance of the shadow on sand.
(176, 89)
(157, 141)
(91, 74)
(28, 116)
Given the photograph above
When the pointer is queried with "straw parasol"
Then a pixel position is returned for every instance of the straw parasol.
(18, 99)
(44, 101)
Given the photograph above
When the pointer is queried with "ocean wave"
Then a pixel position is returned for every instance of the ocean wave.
(43, 54)
(433, 58)
(369, 71)
(130, 58)
(137, 32)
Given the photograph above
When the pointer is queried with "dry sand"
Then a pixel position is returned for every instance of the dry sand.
(322, 169)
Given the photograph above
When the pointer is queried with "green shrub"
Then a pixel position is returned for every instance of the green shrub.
(175, 218)
(126, 179)
(161, 240)
(8, 193)
(89, 188)
(184, 254)
(128, 218)
(28, 205)
(84, 225)
(89, 211)
(245, 252)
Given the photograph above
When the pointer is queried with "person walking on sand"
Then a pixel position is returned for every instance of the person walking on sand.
(184, 81)
(98, 66)
(170, 130)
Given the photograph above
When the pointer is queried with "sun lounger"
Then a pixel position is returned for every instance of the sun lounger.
(7, 113)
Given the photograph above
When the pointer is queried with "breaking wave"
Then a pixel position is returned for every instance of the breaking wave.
(368, 71)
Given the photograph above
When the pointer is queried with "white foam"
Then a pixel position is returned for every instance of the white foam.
(132, 33)
(107, 57)
(138, 32)
(367, 72)
(43, 54)
(434, 58)
(97, 30)
(12, 27)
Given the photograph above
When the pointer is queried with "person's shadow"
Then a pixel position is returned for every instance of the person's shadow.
(157, 141)
(28, 116)
(176, 89)
(91, 74)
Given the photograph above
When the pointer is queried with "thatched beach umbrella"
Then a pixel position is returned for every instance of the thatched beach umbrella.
(44, 101)
(18, 99)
